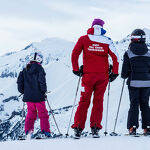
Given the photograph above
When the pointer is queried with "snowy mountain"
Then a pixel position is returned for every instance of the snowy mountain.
(62, 84)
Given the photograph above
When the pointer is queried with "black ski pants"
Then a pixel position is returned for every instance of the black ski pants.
(139, 97)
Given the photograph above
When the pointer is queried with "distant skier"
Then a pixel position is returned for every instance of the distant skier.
(96, 48)
(136, 67)
(32, 84)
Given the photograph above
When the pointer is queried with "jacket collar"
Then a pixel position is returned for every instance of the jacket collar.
(96, 30)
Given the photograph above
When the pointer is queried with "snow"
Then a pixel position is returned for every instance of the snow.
(103, 143)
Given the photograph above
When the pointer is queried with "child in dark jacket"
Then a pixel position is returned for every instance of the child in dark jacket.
(32, 84)
(136, 67)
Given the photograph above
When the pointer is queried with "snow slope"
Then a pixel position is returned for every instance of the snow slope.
(104, 143)
(62, 84)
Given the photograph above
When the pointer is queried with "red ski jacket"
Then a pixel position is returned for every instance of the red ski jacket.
(96, 49)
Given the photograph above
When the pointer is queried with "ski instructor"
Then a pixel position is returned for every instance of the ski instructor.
(96, 48)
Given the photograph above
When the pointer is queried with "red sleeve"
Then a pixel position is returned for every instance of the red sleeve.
(75, 54)
(115, 58)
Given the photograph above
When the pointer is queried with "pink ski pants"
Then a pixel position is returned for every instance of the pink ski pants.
(32, 110)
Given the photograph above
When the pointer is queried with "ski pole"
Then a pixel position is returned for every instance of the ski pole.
(20, 95)
(107, 109)
(53, 116)
(22, 114)
(21, 122)
(73, 106)
(113, 133)
(22, 111)
(109, 72)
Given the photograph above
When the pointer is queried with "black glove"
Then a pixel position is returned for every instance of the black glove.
(112, 77)
(45, 95)
(80, 72)
(110, 69)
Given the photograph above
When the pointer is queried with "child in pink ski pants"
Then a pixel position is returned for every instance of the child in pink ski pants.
(32, 84)
(34, 109)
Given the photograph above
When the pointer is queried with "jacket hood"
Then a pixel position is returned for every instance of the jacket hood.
(96, 30)
(33, 68)
(138, 48)
(90, 31)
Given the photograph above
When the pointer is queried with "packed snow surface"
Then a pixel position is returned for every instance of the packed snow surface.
(103, 143)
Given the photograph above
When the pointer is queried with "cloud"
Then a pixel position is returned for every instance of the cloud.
(23, 22)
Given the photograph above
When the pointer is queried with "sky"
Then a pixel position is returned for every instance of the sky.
(25, 21)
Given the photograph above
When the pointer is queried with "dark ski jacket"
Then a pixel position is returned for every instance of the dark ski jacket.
(136, 65)
(32, 83)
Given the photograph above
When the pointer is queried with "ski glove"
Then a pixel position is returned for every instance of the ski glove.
(112, 77)
(110, 69)
(45, 94)
(80, 72)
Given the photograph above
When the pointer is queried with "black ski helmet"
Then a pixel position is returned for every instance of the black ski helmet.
(138, 35)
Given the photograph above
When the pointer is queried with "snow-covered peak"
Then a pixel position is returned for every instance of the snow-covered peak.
(55, 46)
(51, 48)
(127, 38)
(147, 31)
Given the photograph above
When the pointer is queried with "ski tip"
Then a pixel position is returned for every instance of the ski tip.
(113, 134)
(76, 137)
(57, 135)
(96, 136)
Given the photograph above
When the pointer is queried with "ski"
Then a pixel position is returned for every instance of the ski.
(40, 136)
(21, 138)
(95, 136)
(136, 135)
(85, 135)
(127, 134)
(75, 137)
(115, 134)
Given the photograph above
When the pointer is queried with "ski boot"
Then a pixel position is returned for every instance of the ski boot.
(47, 134)
(77, 133)
(132, 131)
(147, 131)
(95, 132)
(43, 135)
(29, 135)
